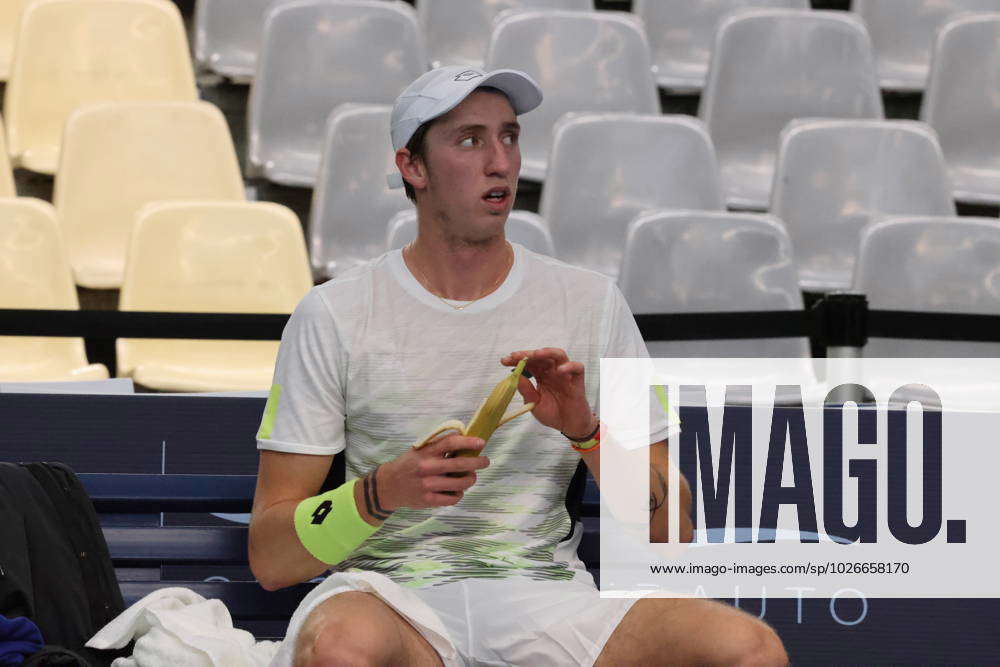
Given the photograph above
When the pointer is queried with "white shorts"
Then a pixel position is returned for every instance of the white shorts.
(515, 621)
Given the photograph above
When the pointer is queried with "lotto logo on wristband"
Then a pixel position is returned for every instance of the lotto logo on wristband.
(322, 511)
(797, 475)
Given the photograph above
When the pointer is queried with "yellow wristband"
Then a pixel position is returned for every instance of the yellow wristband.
(329, 526)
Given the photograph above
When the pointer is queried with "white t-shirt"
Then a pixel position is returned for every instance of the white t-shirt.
(371, 361)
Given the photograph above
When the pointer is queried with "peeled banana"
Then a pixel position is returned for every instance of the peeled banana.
(490, 415)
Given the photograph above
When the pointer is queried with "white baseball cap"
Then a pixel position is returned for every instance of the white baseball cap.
(439, 91)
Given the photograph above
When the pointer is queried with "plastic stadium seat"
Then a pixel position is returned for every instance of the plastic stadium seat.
(35, 273)
(211, 257)
(903, 32)
(352, 202)
(458, 31)
(10, 19)
(119, 156)
(770, 67)
(961, 104)
(945, 265)
(316, 55)
(227, 35)
(696, 262)
(584, 61)
(7, 188)
(605, 169)
(681, 34)
(833, 177)
(523, 227)
(70, 53)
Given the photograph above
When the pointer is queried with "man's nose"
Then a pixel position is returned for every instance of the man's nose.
(499, 162)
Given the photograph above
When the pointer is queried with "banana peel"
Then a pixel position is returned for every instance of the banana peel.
(490, 415)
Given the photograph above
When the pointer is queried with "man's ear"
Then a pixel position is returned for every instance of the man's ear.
(412, 168)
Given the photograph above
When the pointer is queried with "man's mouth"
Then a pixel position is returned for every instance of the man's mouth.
(497, 195)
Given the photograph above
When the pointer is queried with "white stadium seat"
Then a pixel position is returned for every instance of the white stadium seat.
(227, 35)
(773, 66)
(682, 32)
(316, 55)
(833, 177)
(704, 261)
(583, 61)
(523, 227)
(458, 31)
(961, 105)
(607, 168)
(903, 33)
(352, 202)
(947, 265)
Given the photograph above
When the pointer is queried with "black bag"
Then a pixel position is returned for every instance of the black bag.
(54, 563)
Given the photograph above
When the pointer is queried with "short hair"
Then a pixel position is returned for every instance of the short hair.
(417, 145)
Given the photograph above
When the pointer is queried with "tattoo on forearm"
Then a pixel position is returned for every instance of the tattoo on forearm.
(657, 490)
(371, 497)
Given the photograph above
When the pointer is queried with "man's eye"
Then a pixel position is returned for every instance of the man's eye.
(510, 139)
(468, 142)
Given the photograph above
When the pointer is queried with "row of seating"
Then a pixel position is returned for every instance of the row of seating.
(825, 68)
(182, 257)
(681, 33)
(832, 178)
(250, 257)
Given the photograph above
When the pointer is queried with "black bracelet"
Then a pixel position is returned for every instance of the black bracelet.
(378, 505)
(585, 438)
(368, 502)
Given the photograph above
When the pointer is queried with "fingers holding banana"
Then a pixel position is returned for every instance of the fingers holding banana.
(433, 476)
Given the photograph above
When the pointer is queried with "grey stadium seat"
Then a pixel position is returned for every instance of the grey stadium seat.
(584, 61)
(932, 264)
(458, 31)
(227, 35)
(961, 105)
(823, 68)
(316, 55)
(705, 261)
(903, 33)
(833, 177)
(352, 202)
(682, 32)
(605, 169)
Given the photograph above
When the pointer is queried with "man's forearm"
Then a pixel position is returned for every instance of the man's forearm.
(277, 557)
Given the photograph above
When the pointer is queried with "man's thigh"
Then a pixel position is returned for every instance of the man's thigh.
(354, 627)
(684, 631)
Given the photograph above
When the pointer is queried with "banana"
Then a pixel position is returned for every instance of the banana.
(490, 415)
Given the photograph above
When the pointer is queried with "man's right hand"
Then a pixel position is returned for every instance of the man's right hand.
(432, 476)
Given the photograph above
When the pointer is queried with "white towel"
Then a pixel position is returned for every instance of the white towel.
(176, 626)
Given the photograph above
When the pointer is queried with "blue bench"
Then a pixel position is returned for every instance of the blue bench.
(212, 559)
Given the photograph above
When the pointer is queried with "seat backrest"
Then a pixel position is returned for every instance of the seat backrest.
(947, 265)
(34, 269)
(35, 273)
(227, 34)
(458, 31)
(70, 53)
(681, 34)
(119, 156)
(605, 169)
(584, 61)
(824, 68)
(352, 201)
(523, 227)
(903, 33)
(232, 257)
(696, 262)
(10, 20)
(316, 55)
(833, 177)
(960, 102)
